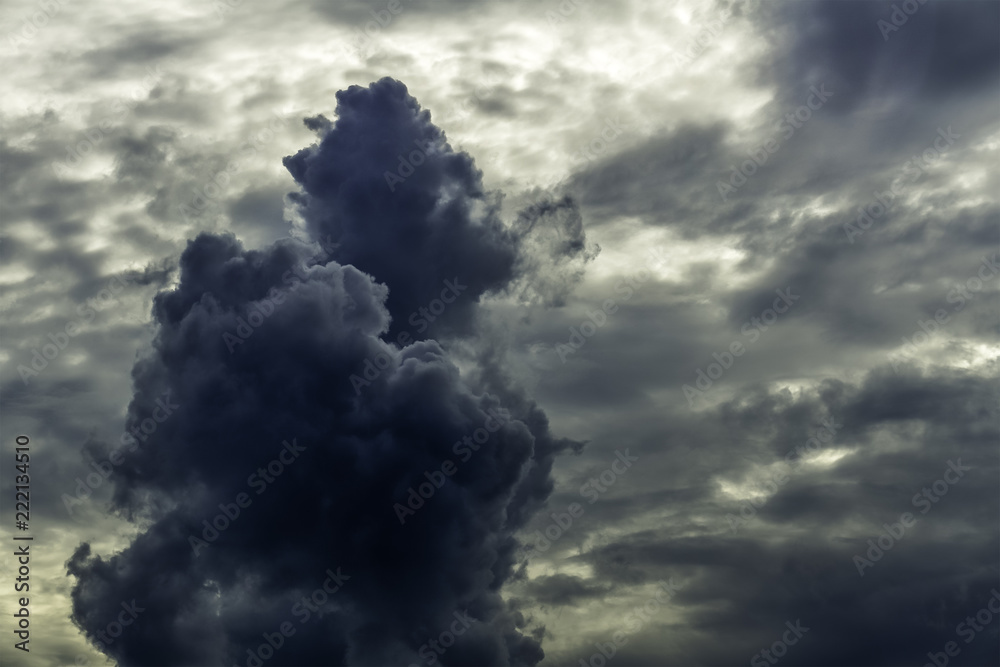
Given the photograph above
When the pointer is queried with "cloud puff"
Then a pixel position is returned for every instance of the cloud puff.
(387, 191)
(252, 361)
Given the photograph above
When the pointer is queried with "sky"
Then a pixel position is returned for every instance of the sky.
(413, 332)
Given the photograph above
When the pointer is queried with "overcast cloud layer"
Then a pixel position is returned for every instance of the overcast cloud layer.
(684, 316)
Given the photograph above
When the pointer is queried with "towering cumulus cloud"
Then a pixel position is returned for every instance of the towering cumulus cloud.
(270, 488)
(386, 188)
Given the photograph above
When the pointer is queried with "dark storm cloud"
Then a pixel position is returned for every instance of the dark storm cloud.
(286, 379)
(396, 180)
(335, 508)
(942, 48)
(384, 187)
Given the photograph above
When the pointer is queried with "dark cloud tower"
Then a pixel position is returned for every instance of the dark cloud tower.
(254, 354)
(385, 188)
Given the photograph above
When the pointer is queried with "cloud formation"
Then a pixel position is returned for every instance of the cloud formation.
(306, 320)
